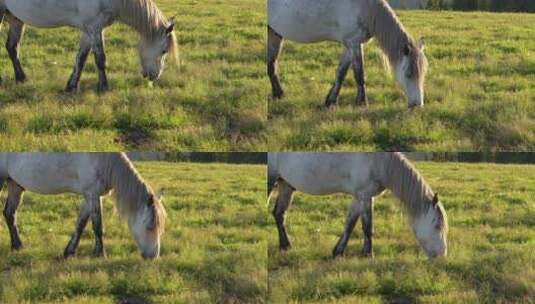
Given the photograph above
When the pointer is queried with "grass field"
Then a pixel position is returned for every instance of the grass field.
(213, 250)
(491, 243)
(214, 100)
(479, 92)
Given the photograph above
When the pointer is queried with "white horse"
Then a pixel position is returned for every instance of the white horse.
(91, 175)
(91, 17)
(364, 176)
(351, 23)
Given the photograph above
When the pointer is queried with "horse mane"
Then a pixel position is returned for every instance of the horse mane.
(130, 190)
(410, 187)
(392, 36)
(147, 19)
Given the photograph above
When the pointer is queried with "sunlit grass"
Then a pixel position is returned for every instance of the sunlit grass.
(214, 99)
(479, 91)
(214, 248)
(491, 242)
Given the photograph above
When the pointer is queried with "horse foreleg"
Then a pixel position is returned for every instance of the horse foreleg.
(341, 72)
(81, 57)
(16, 30)
(352, 217)
(359, 73)
(100, 60)
(14, 197)
(283, 202)
(96, 220)
(367, 227)
(81, 222)
(274, 46)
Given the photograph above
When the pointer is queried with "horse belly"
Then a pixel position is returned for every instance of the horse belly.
(312, 21)
(326, 173)
(44, 173)
(46, 13)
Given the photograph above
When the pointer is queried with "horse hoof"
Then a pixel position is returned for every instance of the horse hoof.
(285, 247)
(70, 89)
(278, 94)
(368, 254)
(337, 253)
(16, 246)
(102, 88)
(330, 105)
(68, 254)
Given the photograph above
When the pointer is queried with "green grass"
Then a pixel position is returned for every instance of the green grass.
(491, 243)
(214, 248)
(479, 91)
(213, 100)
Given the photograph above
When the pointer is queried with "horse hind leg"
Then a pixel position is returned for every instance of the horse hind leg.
(100, 60)
(367, 227)
(81, 222)
(284, 199)
(16, 31)
(96, 221)
(81, 58)
(355, 211)
(14, 197)
(274, 47)
(360, 75)
(341, 72)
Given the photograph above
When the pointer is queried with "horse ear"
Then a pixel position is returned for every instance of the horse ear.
(171, 26)
(406, 50)
(421, 43)
(435, 199)
(152, 223)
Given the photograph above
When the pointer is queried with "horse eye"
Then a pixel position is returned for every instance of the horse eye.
(164, 52)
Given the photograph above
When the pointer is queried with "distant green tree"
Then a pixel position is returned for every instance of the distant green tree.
(437, 5)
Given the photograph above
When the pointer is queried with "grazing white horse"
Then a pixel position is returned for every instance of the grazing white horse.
(351, 23)
(91, 175)
(91, 17)
(364, 176)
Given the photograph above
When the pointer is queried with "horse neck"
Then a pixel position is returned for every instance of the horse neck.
(129, 188)
(390, 34)
(406, 183)
(141, 15)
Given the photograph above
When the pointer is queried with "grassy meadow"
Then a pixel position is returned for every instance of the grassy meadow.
(213, 250)
(479, 91)
(490, 245)
(213, 100)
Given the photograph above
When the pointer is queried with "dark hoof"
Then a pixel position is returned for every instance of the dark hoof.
(68, 254)
(98, 253)
(71, 89)
(278, 94)
(337, 252)
(361, 102)
(367, 253)
(285, 247)
(102, 87)
(20, 79)
(330, 103)
(16, 246)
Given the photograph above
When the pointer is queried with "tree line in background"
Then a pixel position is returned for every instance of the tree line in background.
(486, 157)
(483, 5)
(220, 157)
